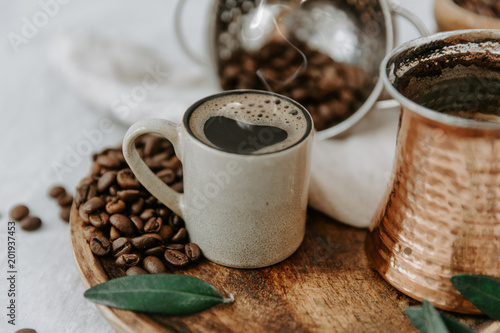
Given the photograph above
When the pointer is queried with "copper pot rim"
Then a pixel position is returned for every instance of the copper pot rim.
(406, 103)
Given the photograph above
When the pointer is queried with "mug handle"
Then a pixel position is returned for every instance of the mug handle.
(412, 18)
(172, 132)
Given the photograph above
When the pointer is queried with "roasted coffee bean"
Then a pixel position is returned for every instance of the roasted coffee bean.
(99, 219)
(25, 330)
(179, 173)
(180, 236)
(151, 201)
(166, 232)
(174, 163)
(146, 241)
(130, 259)
(81, 194)
(65, 200)
(126, 179)
(166, 175)
(155, 251)
(65, 213)
(114, 234)
(176, 247)
(134, 270)
(19, 212)
(154, 265)
(93, 205)
(128, 195)
(137, 207)
(163, 212)
(92, 193)
(99, 245)
(176, 258)
(122, 223)
(176, 222)
(57, 191)
(113, 190)
(151, 145)
(138, 223)
(89, 231)
(178, 187)
(147, 214)
(154, 224)
(84, 216)
(30, 223)
(95, 169)
(115, 206)
(107, 161)
(121, 246)
(192, 251)
(106, 180)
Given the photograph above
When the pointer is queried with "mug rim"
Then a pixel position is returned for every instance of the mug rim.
(422, 110)
(187, 116)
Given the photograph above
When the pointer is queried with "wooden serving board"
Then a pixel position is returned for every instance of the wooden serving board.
(326, 286)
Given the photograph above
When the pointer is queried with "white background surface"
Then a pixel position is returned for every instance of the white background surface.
(42, 121)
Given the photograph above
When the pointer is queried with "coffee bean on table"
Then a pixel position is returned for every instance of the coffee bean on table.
(65, 200)
(17, 213)
(115, 206)
(180, 236)
(176, 258)
(146, 241)
(176, 247)
(30, 223)
(65, 213)
(134, 270)
(84, 216)
(128, 195)
(108, 161)
(106, 181)
(122, 223)
(93, 205)
(57, 191)
(130, 259)
(154, 224)
(166, 175)
(26, 330)
(113, 234)
(121, 246)
(192, 251)
(166, 232)
(163, 212)
(147, 214)
(157, 251)
(89, 231)
(154, 265)
(126, 179)
(99, 220)
(99, 245)
(137, 206)
(176, 222)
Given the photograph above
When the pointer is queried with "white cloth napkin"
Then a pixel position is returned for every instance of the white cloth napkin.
(131, 82)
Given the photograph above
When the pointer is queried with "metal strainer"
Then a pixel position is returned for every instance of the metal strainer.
(323, 53)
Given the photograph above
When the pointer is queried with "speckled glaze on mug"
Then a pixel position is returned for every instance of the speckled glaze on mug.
(244, 211)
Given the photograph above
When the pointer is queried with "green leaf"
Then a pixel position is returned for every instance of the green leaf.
(426, 319)
(455, 326)
(482, 291)
(157, 293)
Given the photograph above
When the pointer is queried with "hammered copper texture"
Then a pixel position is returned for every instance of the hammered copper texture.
(441, 212)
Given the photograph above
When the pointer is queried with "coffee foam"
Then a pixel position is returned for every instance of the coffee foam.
(254, 109)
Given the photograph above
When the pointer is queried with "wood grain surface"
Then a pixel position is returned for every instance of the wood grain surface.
(326, 286)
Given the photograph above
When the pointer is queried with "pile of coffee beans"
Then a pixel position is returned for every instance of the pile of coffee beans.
(21, 214)
(64, 200)
(329, 90)
(124, 221)
(489, 8)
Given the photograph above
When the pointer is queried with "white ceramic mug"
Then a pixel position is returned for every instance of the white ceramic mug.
(244, 211)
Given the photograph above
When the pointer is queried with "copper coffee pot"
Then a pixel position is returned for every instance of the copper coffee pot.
(441, 212)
